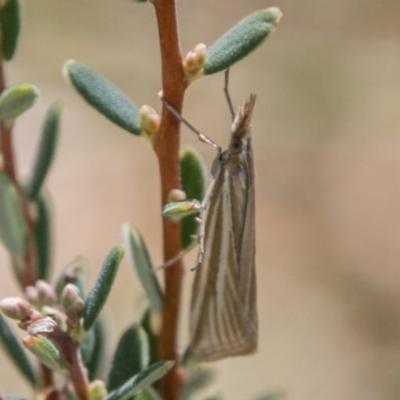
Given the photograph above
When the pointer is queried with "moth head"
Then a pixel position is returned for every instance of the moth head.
(241, 125)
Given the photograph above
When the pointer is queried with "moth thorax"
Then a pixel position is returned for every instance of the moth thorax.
(236, 144)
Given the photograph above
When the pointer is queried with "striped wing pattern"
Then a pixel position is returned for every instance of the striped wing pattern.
(223, 320)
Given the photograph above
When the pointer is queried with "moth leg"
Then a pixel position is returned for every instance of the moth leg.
(176, 258)
(202, 218)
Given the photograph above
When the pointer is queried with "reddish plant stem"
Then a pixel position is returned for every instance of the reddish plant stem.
(6, 147)
(27, 275)
(69, 348)
(167, 151)
(77, 375)
(47, 376)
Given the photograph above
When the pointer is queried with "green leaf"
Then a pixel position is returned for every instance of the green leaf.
(193, 178)
(12, 227)
(102, 287)
(16, 99)
(213, 397)
(10, 26)
(101, 94)
(11, 345)
(130, 357)
(8, 397)
(241, 39)
(43, 236)
(273, 396)
(149, 394)
(95, 364)
(46, 351)
(198, 378)
(141, 381)
(140, 259)
(87, 345)
(147, 322)
(178, 210)
(46, 151)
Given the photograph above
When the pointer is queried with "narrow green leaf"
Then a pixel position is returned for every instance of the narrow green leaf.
(16, 99)
(140, 259)
(273, 396)
(12, 227)
(213, 397)
(193, 178)
(130, 357)
(241, 39)
(141, 381)
(11, 345)
(178, 210)
(147, 322)
(95, 364)
(102, 287)
(46, 151)
(70, 394)
(43, 236)
(10, 26)
(101, 94)
(149, 394)
(46, 351)
(87, 345)
(8, 397)
(198, 378)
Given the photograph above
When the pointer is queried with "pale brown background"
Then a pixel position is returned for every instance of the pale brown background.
(327, 150)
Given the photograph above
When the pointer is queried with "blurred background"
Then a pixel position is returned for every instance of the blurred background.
(326, 136)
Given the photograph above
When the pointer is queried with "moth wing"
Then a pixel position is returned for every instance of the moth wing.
(219, 324)
(244, 218)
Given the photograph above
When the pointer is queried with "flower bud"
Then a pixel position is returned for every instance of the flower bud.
(194, 63)
(97, 390)
(54, 314)
(15, 308)
(70, 296)
(32, 295)
(46, 293)
(155, 323)
(176, 195)
(150, 123)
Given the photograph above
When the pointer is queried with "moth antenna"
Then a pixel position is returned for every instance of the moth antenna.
(201, 136)
(227, 95)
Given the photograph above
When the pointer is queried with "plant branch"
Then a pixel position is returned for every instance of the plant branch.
(70, 351)
(167, 151)
(28, 274)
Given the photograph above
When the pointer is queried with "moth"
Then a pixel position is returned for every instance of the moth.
(223, 310)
